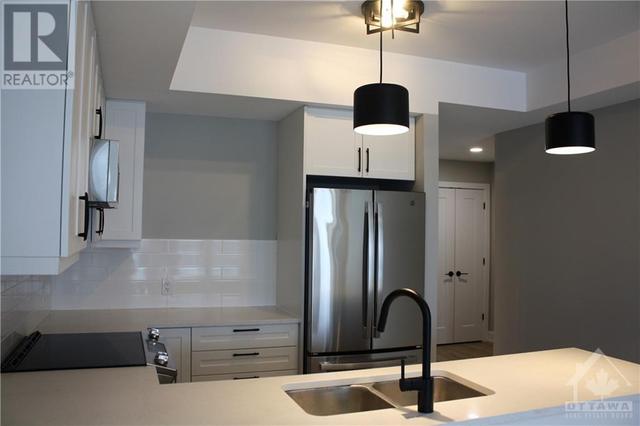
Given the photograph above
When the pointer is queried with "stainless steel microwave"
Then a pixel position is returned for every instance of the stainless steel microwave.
(104, 174)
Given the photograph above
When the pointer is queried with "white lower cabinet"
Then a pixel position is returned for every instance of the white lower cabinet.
(239, 337)
(244, 351)
(178, 343)
(239, 376)
(243, 360)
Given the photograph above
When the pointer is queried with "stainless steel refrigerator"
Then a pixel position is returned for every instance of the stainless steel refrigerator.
(361, 245)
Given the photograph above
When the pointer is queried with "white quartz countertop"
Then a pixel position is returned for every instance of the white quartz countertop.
(85, 321)
(132, 396)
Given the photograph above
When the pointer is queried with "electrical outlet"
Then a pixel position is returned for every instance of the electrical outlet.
(166, 287)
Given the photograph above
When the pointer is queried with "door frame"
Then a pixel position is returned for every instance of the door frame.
(486, 272)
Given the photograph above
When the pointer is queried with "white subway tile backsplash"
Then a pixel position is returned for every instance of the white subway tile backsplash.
(25, 301)
(200, 273)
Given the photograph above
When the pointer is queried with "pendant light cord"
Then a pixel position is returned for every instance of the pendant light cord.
(566, 23)
(380, 57)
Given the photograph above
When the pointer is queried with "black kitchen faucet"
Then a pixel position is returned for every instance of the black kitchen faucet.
(424, 383)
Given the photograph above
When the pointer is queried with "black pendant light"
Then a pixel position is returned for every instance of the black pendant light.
(570, 132)
(381, 108)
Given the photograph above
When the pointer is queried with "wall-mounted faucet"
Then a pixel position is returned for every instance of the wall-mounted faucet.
(423, 384)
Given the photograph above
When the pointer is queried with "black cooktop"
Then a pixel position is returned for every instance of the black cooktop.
(78, 350)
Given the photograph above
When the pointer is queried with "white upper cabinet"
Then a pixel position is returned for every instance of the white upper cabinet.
(332, 148)
(125, 123)
(390, 157)
(46, 136)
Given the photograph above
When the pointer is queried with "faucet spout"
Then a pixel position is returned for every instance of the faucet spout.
(423, 384)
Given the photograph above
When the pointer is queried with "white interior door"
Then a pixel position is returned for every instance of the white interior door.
(468, 280)
(446, 268)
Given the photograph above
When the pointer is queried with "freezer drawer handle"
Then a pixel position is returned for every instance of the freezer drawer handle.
(244, 330)
(389, 362)
(248, 354)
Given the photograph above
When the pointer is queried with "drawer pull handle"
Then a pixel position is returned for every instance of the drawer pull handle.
(248, 354)
(249, 377)
(242, 330)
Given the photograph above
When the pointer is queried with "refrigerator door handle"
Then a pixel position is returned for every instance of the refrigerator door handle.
(365, 273)
(378, 264)
(388, 362)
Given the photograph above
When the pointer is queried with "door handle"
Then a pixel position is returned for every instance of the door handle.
(359, 159)
(365, 273)
(387, 362)
(458, 273)
(377, 274)
(85, 233)
(449, 274)
(246, 354)
(367, 166)
(100, 230)
(99, 113)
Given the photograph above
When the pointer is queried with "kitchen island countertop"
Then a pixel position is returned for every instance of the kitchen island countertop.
(517, 383)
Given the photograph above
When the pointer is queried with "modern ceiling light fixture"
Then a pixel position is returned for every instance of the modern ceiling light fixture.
(569, 132)
(382, 108)
(401, 15)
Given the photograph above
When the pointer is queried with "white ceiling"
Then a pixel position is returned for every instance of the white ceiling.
(463, 126)
(140, 42)
(515, 35)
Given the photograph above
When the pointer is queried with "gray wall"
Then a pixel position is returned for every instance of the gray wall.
(209, 178)
(466, 171)
(567, 237)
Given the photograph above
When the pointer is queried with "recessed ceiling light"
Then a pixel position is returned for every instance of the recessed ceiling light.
(476, 149)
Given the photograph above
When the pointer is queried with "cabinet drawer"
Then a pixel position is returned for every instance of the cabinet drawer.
(244, 360)
(240, 337)
(238, 376)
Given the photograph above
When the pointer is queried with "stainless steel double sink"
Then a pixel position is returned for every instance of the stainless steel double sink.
(327, 401)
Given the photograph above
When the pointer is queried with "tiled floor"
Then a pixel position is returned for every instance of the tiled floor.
(464, 350)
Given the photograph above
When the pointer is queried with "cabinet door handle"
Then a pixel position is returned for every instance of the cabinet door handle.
(248, 377)
(100, 230)
(359, 159)
(449, 274)
(367, 166)
(243, 330)
(247, 354)
(458, 273)
(99, 112)
(85, 233)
